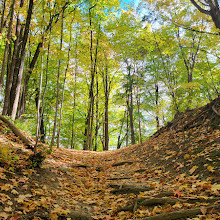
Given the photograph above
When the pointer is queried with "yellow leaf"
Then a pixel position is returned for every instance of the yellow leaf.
(8, 209)
(4, 215)
(14, 192)
(53, 216)
(186, 156)
(203, 210)
(211, 169)
(192, 170)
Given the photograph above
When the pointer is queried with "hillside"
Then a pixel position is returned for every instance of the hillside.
(172, 175)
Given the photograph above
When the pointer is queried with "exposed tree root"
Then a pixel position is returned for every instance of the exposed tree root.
(122, 163)
(189, 213)
(16, 131)
(129, 188)
(120, 178)
(157, 200)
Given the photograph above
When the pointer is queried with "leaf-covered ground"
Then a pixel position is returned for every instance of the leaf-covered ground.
(172, 175)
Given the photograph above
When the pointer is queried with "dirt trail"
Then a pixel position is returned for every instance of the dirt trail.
(172, 175)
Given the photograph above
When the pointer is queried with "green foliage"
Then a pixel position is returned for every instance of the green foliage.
(156, 52)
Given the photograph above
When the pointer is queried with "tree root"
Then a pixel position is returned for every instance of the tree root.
(189, 213)
(119, 178)
(158, 200)
(148, 202)
(122, 163)
(17, 132)
(129, 188)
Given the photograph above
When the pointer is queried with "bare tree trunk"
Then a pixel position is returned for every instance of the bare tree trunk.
(58, 79)
(127, 119)
(74, 95)
(42, 130)
(106, 89)
(139, 117)
(8, 40)
(91, 125)
(21, 69)
(53, 19)
(89, 119)
(131, 107)
(12, 69)
(38, 103)
(119, 136)
(62, 99)
(3, 14)
(97, 113)
(157, 107)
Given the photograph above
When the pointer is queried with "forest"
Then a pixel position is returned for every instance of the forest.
(110, 110)
(100, 75)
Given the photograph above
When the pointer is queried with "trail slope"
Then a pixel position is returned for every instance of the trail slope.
(172, 175)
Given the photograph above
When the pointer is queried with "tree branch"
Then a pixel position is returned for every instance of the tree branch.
(200, 8)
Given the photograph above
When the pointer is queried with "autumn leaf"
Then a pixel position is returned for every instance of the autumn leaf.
(203, 210)
(8, 209)
(192, 170)
(53, 216)
(177, 193)
(14, 192)
(211, 169)
(4, 215)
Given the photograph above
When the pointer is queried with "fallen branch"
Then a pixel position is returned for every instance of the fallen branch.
(189, 213)
(16, 131)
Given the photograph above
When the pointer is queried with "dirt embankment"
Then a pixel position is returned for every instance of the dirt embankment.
(172, 175)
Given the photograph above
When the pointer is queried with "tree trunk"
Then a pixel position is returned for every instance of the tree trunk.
(127, 119)
(89, 119)
(138, 107)
(97, 114)
(119, 136)
(157, 107)
(62, 99)
(39, 109)
(74, 96)
(58, 79)
(53, 19)
(2, 18)
(12, 69)
(21, 69)
(8, 40)
(106, 89)
(131, 107)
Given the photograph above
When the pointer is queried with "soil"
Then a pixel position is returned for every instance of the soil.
(175, 172)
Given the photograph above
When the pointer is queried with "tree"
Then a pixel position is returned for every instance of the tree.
(209, 7)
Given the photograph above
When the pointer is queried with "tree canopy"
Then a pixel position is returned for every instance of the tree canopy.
(94, 75)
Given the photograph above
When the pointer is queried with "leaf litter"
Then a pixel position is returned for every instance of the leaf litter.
(172, 175)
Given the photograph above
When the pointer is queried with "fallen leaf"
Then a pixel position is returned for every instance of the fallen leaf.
(192, 170)
(8, 209)
(14, 192)
(203, 210)
(4, 215)
(177, 193)
(211, 169)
